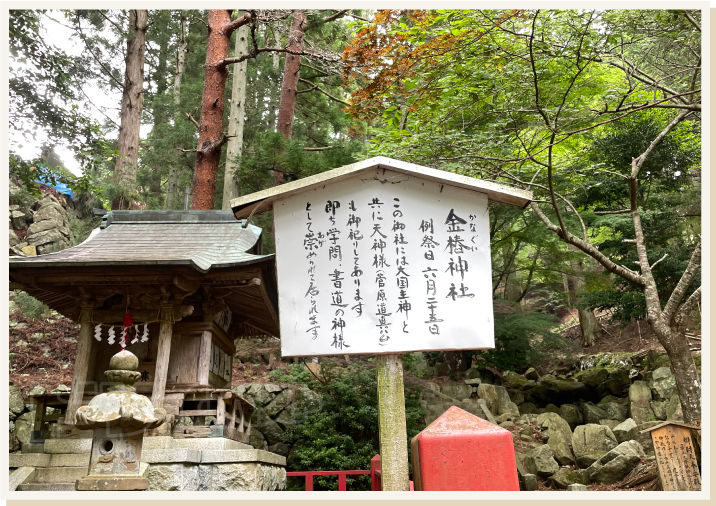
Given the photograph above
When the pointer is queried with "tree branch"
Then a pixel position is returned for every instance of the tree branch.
(191, 118)
(237, 23)
(107, 71)
(686, 279)
(692, 20)
(590, 250)
(623, 211)
(315, 87)
(685, 309)
(636, 167)
(655, 263)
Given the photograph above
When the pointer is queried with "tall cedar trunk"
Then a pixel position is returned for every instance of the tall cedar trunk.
(291, 68)
(173, 197)
(236, 118)
(208, 152)
(125, 168)
(273, 95)
(587, 321)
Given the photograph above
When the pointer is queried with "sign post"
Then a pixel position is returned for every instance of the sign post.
(391, 420)
(382, 258)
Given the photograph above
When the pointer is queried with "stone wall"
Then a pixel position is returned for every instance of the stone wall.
(278, 408)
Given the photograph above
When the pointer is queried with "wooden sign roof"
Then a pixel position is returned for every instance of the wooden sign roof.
(263, 201)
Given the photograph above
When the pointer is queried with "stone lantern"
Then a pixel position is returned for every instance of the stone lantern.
(118, 419)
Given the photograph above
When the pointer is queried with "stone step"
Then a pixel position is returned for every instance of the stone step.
(59, 474)
(47, 487)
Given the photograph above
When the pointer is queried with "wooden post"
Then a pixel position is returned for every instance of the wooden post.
(220, 411)
(164, 347)
(84, 348)
(391, 422)
(202, 374)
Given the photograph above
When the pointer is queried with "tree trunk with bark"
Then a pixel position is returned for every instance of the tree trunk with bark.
(173, 199)
(289, 83)
(669, 322)
(125, 168)
(237, 110)
(273, 97)
(211, 138)
(587, 320)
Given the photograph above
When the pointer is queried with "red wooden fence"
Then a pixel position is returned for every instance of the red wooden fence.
(374, 476)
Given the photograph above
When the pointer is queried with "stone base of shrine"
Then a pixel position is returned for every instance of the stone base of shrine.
(166, 464)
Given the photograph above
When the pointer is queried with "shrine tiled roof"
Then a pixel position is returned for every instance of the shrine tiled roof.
(200, 239)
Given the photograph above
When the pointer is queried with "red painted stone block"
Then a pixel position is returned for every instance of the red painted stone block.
(460, 451)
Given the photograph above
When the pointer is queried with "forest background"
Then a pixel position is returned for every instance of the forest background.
(598, 112)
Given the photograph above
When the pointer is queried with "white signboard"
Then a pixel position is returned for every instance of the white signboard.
(383, 263)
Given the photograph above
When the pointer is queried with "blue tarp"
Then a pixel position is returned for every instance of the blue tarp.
(60, 187)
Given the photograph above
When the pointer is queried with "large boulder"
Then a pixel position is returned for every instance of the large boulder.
(504, 403)
(266, 425)
(662, 384)
(557, 433)
(24, 426)
(541, 463)
(17, 404)
(279, 403)
(593, 377)
(614, 411)
(531, 374)
(516, 396)
(639, 398)
(592, 413)
(645, 439)
(259, 395)
(625, 431)
(616, 464)
(257, 440)
(590, 442)
(659, 409)
(457, 391)
(527, 408)
(514, 380)
(565, 477)
(484, 375)
(14, 239)
(673, 409)
(553, 390)
(609, 423)
(571, 414)
(489, 395)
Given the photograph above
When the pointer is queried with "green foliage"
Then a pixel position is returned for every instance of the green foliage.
(272, 153)
(295, 374)
(29, 306)
(81, 229)
(344, 434)
(44, 91)
(523, 337)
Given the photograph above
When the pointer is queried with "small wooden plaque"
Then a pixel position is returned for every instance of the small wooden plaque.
(675, 457)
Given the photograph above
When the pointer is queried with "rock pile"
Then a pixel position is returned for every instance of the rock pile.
(42, 227)
(581, 427)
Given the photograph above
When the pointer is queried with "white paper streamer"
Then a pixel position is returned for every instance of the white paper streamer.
(145, 336)
(98, 332)
(110, 339)
(123, 338)
(136, 334)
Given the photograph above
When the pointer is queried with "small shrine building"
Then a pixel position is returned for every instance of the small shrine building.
(173, 287)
